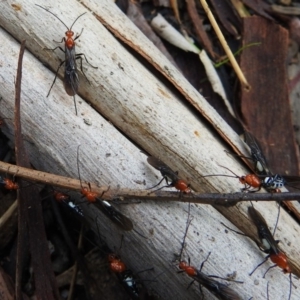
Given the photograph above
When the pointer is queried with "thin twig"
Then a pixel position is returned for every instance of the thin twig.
(143, 195)
(200, 198)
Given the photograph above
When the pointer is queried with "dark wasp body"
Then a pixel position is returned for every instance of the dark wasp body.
(168, 175)
(268, 243)
(71, 80)
(220, 290)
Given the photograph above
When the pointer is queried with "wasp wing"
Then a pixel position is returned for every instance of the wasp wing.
(292, 181)
(71, 80)
(114, 215)
(220, 290)
(268, 242)
(259, 159)
(165, 170)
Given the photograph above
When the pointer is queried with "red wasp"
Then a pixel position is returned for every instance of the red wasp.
(106, 208)
(220, 290)
(71, 80)
(8, 184)
(268, 243)
(125, 275)
(271, 182)
(66, 199)
(168, 175)
(250, 180)
(88, 194)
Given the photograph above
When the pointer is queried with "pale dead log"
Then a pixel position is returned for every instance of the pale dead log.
(147, 111)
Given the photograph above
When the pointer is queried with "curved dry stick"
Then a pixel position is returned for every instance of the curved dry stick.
(225, 46)
(46, 178)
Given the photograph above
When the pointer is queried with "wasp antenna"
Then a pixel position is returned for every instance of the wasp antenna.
(188, 223)
(78, 166)
(268, 291)
(230, 171)
(205, 260)
(47, 10)
(290, 293)
(76, 20)
(276, 224)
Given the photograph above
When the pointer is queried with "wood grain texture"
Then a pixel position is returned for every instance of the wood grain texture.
(266, 107)
(155, 118)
